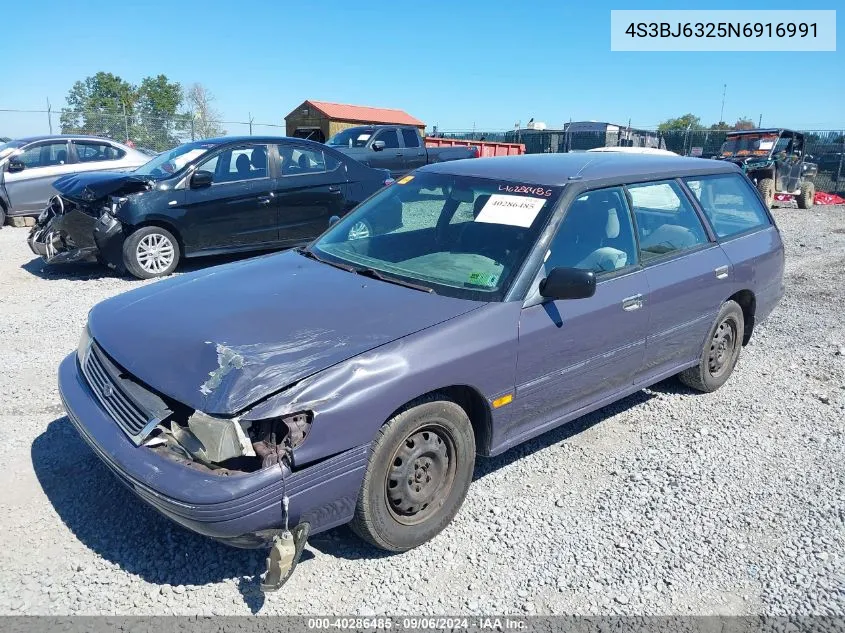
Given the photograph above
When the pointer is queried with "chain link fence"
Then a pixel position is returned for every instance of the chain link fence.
(137, 128)
(824, 147)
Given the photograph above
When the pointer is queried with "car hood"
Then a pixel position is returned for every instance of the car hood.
(87, 187)
(219, 340)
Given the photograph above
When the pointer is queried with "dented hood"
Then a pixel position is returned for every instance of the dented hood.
(219, 340)
(87, 187)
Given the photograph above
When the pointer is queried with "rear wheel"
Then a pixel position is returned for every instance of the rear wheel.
(720, 353)
(149, 252)
(417, 477)
(807, 196)
(766, 187)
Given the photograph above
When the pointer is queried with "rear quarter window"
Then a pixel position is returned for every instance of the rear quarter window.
(729, 203)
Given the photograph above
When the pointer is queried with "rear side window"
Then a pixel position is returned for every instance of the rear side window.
(410, 137)
(297, 161)
(666, 220)
(729, 203)
(90, 151)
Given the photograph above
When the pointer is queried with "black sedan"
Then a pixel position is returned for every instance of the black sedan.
(207, 197)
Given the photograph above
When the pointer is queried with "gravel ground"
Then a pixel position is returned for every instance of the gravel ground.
(668, 502)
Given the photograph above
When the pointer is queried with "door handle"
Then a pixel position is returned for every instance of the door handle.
(632, 303)
(399, 153)
(334, 189)
(265, 199)
(721, 272)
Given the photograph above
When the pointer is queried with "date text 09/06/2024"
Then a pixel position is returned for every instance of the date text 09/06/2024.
(722, 29)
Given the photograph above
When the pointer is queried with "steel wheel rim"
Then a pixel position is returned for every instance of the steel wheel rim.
(722, 348)
(359, 230)
(155, 253)
(421, 475)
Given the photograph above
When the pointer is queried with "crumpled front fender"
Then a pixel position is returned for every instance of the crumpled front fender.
(64, 238)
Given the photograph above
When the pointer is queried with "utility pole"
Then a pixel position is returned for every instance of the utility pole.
(125, 121)
(722, 112)
(49, 116)
(760, 121)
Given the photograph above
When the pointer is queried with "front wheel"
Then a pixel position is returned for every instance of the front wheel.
(360, 230)
(149, 252)
(418, 475)
(766, 187)
(720, 353)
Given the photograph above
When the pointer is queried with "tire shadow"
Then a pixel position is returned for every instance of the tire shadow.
(343, 543)
(94, 270)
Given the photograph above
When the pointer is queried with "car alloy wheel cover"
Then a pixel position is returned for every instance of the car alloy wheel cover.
(155, 253)
(421, 475)
(722, 347)
(359, 230)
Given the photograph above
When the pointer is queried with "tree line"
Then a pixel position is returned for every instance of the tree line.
(156, 113)
(692, 122)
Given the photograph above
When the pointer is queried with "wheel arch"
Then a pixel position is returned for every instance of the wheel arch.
(474, 405)
(748, 302)
(162, 224)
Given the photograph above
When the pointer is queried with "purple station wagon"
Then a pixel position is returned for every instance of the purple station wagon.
(356, 380)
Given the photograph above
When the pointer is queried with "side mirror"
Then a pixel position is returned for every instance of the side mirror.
(15, 166)
(201, 178)
(568, 283)
(334, 220)
(378, 146)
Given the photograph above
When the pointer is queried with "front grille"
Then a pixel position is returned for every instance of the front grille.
(105, 380)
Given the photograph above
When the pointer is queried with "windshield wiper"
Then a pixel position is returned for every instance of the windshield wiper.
(374, 274)
(312, 255)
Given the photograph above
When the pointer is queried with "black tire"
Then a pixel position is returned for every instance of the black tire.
(766, 187)
(2, 216)
(807, 196)
(141, 267)
(720, 352)
(430, 443)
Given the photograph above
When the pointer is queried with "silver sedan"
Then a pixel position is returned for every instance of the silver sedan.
(29, 166)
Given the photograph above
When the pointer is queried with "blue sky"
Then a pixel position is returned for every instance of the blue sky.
(454, 64)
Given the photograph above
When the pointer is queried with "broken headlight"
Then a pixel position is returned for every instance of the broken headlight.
(220, 438)
(117, 203)
(84, 345)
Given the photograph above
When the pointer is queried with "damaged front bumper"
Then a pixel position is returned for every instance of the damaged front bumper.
(67, 234)
(240, 509)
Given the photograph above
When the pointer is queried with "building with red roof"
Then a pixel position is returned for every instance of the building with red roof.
(319, 120)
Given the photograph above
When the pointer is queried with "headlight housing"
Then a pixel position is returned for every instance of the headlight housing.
(84, 345)
(116, 203)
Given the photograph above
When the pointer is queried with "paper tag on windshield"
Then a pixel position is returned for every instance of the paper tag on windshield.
(767, 144)
(510, 210)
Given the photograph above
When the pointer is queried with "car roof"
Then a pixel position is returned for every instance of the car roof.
(560, 169)
(764, 130)
(223, 140)
(62, 137)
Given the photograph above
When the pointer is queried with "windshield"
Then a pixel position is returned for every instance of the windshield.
(745, 144)
(352, 137)
(460, 236)
(9, 147)
(168, 163)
